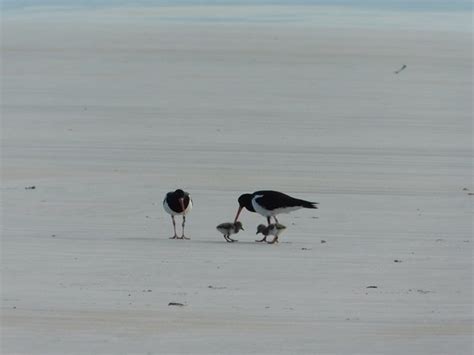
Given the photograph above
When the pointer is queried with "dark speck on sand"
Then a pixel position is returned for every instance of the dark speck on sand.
(176, 304)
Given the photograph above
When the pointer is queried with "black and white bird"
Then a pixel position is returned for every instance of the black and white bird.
(274, 229)
(271, 203)
(178, 203)
(227, 229)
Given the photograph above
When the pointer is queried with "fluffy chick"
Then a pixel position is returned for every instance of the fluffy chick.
(274, 229)
(227, 229)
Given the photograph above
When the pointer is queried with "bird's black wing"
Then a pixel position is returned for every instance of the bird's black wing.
(173, 202)
(272, 200)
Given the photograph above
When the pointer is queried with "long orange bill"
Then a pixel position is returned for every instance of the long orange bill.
(238, 213)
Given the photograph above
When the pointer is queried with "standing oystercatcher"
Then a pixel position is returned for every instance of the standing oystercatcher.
(178, 203)
(271, 203)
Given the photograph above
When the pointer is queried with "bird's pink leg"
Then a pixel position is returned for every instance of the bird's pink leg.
(182, 225)
(175, 236)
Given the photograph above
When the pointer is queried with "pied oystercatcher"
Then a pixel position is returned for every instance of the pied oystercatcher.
(178, 203)
(270, 203)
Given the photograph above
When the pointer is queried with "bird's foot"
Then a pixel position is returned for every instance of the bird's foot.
(174, 237)
(184, 237)
(275, 240)
(261, 240)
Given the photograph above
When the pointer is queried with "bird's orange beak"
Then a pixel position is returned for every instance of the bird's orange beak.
(181, 202)
(238, 213)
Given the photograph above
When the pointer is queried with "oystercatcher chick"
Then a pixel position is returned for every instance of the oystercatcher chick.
(178, 203)
(227, 229)
(271, 203)
(274, 229)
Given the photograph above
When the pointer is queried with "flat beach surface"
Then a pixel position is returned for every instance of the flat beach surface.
(106, 110)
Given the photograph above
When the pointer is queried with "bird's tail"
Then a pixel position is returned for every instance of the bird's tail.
(307, 204)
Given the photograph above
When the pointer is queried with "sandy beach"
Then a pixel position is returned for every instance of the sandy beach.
(106, 110)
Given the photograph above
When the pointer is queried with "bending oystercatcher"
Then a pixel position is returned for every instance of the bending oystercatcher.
(227, 229)
(178, 203)
(271, 203)
(274, 229)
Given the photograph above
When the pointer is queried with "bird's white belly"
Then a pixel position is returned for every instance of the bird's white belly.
(275, 231)
(223, 230)
(226, 231)
(267, 213)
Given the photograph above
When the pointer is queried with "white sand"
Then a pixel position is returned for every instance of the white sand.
(105, 113)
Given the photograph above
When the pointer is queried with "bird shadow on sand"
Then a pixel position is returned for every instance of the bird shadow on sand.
(197, 241)
(223, 242)
(191, 241)
(241, 242)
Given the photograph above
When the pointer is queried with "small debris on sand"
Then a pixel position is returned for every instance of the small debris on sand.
(147, 290)
(397, 261)
(372, 287)
(465, 189)
(53, 235)
(176, 304)
(305, 248)
(216, 287)
(399, 70)
(30, 187)
(323, 241)
(424, 292)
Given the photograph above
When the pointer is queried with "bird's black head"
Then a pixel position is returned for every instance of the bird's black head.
(261, 228)
(245, 200)
(238, 226)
